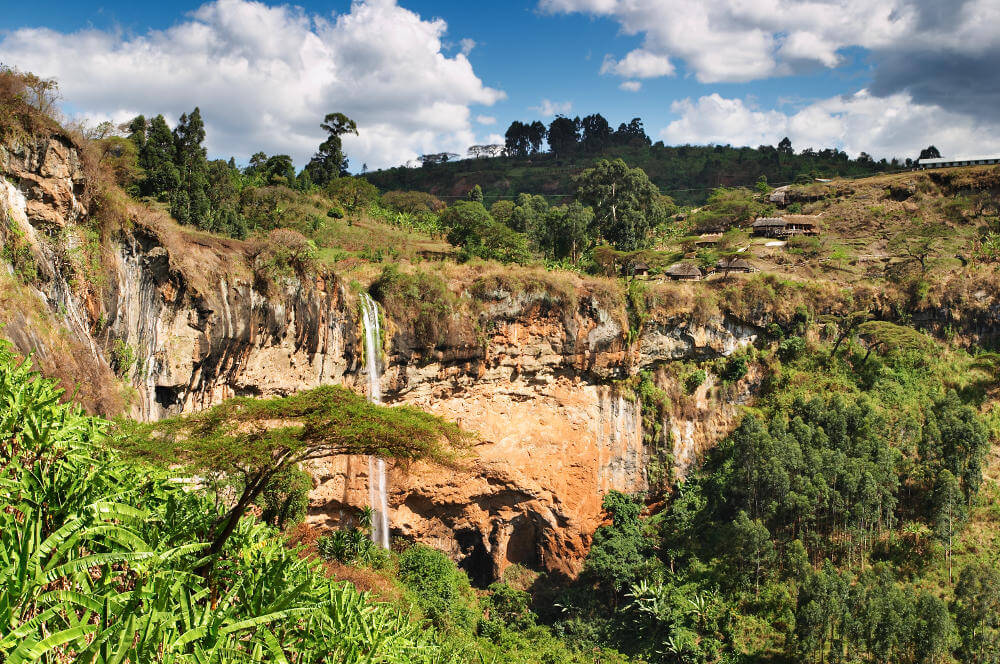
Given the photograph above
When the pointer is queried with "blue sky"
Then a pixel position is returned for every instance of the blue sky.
(704, 72)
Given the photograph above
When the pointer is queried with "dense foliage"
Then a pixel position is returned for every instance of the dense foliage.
(98, 559)
(812, 532)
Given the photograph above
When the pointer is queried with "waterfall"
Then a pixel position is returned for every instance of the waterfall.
(378, 490)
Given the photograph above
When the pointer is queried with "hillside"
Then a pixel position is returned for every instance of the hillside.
(687, 174)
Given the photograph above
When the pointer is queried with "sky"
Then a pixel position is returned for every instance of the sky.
(886, 77)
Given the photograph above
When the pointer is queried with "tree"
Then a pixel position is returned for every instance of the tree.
(535, 134)
(562, 232)
(42, 93)
(476, 194)
(625, 203)
(502, 211)
(949, 512)
(620, 553)
(190, 204)
(156, 158)
(472, 228)
(352, 192)
(564, 135)
(785, 147)
(632, 133)
(516, 142)
(920, 241)
(977, 613)
(253, 440)
(930, 152)
(751, 549)
(329, 162)
(596, 132)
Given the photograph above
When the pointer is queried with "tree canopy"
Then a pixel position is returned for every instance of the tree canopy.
(625, 203)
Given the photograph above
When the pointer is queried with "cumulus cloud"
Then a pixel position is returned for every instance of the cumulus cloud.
(547, 108)
(631, 86)
(638, 64)
(265, 76)
(893, 126)
(486, 119)
(938, 52)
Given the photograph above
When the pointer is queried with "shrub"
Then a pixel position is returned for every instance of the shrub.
(442, 590)
(412, 202)
(284, 252)
(734, 369)
(695, 380)
(791, 348)
(285, 500)
(421, 299)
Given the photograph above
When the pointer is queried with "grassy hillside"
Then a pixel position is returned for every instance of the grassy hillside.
(688, 174)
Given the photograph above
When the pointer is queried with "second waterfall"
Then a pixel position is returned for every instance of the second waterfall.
(378, 488)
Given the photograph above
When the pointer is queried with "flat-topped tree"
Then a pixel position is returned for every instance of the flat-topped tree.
(254, 439)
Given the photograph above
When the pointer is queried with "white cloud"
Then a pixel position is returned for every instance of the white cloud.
(486, 119)
(265, 76)
(892, 126)
(742, 40)
(631, 86)
(467, 45)
(547, 108)
(638, 64)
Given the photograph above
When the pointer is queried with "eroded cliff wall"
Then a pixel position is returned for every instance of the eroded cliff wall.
(543, 379)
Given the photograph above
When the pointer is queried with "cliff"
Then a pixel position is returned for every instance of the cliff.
(167, 321)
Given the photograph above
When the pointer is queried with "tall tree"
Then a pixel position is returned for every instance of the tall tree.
(535, 136)
(564, 135)
(625, 203)
(949, 512)
(596, 132)
(329, 162)
(156, 157)
(190, 203)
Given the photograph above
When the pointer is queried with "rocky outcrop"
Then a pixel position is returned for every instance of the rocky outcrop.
(185, 324)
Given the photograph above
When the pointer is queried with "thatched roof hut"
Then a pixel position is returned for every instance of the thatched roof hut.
(684, 271)
(735, 264)
(769, 226)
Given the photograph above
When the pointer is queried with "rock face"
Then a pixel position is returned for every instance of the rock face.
(189, 325)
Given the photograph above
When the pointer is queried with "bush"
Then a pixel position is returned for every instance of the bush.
(695, 380)
(734, 369)
(412, 202)
(351, 193)
(791, 348)
(442, 590)
(284, 252)
(420, 298)
(286, 499)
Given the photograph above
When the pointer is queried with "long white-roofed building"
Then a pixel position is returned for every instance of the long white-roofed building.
(958, 161)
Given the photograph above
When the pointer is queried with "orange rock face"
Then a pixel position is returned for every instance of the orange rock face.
(532, 494)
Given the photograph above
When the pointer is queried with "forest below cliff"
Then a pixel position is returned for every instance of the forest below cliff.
(848, 514)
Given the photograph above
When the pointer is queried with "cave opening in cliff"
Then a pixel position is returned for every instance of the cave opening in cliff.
(522, 547)
(167, 396)
(476, 561)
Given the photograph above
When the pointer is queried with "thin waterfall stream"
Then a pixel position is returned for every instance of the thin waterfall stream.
(378, 489)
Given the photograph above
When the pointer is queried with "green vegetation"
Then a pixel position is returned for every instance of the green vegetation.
(687, 173)
(98, 557)
(824, 528)
(241, 441)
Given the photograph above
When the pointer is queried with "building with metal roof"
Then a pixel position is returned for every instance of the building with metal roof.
(958, 161)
